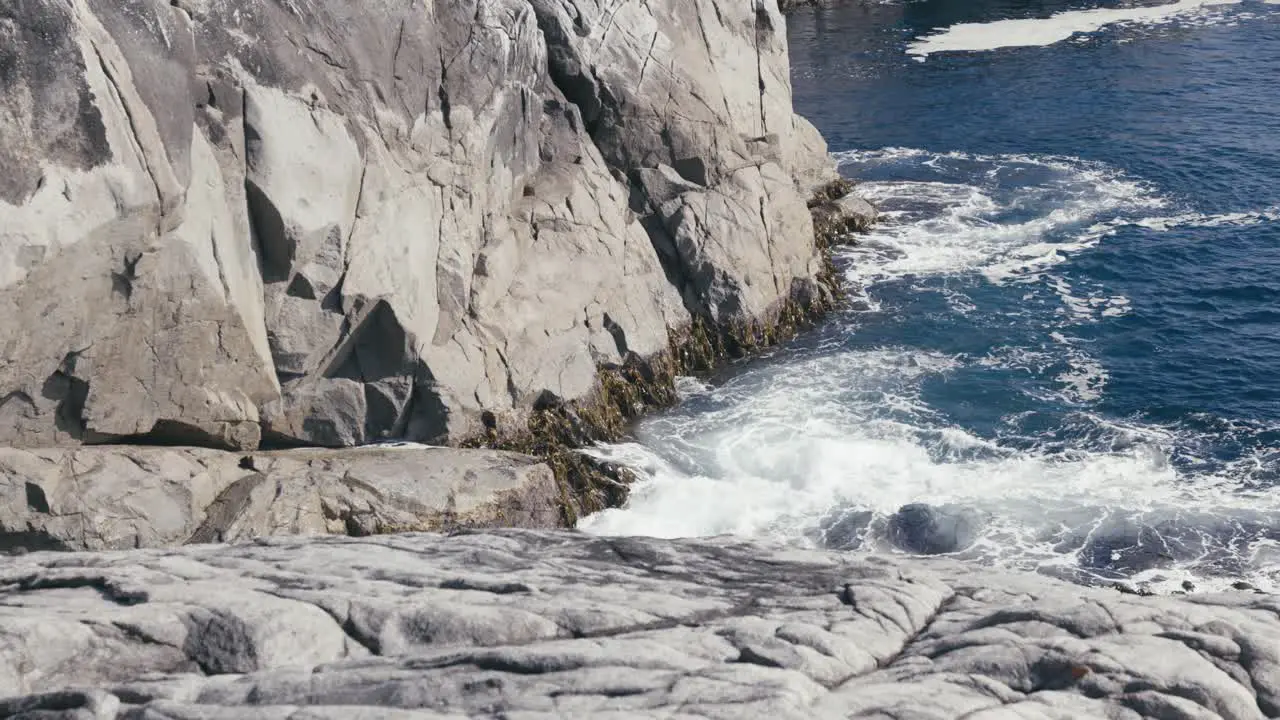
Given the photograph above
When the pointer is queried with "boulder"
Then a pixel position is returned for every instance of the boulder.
(838, 220)
(235, 223)
(101, 498)
(560, 624)
(861, 213)
(934, 530)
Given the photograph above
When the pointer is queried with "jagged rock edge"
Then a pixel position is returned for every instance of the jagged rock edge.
(556, 431)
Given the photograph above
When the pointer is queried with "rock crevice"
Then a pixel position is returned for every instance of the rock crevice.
(541, 624)
(503, 195)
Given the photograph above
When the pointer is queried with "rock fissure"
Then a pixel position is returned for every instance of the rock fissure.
(129, 113)
(496, 653)
(294, 194)
(763, 26)
(911, 636)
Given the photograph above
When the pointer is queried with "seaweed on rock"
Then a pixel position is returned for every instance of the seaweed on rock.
(830, 192)
(557, 431)
(834, 223)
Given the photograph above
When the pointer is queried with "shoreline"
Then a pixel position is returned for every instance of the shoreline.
(291, 260)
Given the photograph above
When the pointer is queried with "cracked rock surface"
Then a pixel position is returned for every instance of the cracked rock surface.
(106, 498)
(534, 624)
(229, 222)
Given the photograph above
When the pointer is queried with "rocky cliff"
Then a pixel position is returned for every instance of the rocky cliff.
(315, 222)
(560, 625)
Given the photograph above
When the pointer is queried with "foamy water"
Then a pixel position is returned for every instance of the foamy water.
(835, 439)
(933, 227)
(1039, 32)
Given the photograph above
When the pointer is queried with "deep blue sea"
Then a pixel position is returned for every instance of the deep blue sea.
(1065, 337)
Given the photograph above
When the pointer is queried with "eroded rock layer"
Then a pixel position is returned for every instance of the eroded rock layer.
(526, 624)
(327, 223)
(114, 498)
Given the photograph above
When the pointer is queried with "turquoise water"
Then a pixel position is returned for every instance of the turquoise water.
(1066, 333)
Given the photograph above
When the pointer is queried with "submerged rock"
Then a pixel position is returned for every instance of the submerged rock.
(792, 5)
(844, 529)
(934, 530)
(559, 624)
(1126, 548)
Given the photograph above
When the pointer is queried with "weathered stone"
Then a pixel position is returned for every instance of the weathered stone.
(117, 317)
(700, 89)
(227, 223)
(837, 220)
(126, 497)
(540, 624)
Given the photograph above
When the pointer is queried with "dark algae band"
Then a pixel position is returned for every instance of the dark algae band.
(556, 431)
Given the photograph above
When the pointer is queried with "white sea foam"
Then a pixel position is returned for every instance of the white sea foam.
(1037, 32)
(774, 450)
(1183, 221)
(1028, 360)
(1201, 220)
(1080, 308)
(937, 227)
(1085, 378)
(790, 443)
(687, 387)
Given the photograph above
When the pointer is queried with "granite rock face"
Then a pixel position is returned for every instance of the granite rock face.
(706, 130)
(524, 624)
(326, 223)
(115, 498)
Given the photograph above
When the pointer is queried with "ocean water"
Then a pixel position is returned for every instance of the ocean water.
(1066, 330)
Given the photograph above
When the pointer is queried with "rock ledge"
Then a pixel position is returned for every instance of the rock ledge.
(525, 624)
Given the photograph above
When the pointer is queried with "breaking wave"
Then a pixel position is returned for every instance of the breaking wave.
(991, 443)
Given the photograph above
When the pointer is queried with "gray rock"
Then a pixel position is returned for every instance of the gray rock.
(230, 221)
(839, 220)
(699, 91)
(934, 530)
(540, 624)
(864, 214)
(126, 497)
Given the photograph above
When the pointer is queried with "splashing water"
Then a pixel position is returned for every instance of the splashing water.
(964, 381)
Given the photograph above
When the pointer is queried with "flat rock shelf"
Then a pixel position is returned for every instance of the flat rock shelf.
(115, 498)
(534, 624)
